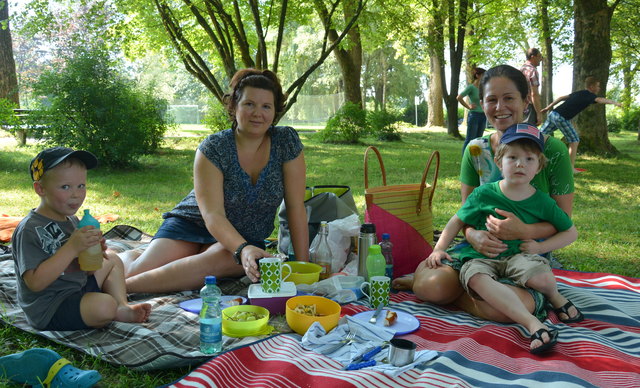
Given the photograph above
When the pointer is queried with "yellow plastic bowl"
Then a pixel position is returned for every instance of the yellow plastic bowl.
(302, 272)
(328, 311)
(241, 328)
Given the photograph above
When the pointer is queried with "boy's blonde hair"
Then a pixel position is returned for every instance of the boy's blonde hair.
(525, 144)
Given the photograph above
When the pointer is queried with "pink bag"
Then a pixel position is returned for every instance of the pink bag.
(403, 211)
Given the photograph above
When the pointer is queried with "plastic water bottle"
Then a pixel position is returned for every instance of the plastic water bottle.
(321, 255)
(386, 247)
(210, 317)
(376, 265)
(290, 252)
(91, 258)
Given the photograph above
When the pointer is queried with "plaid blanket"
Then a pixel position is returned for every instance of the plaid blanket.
(170, 339)
(603, 350)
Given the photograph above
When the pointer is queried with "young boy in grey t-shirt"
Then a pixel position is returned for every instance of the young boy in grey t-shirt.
(52, 290)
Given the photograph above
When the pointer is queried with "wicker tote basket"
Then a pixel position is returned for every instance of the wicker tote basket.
(403, 211)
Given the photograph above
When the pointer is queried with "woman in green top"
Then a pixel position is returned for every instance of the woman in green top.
(503, 92)
(476, 120)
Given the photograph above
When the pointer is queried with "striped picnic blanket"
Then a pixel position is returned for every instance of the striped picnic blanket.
(602, 351)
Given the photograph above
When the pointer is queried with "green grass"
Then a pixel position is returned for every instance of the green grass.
(606, 207)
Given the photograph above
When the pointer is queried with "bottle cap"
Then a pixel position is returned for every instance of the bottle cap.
(375, 248)
(88, 219)
(210, 279)
(385, 236)
(368, 228)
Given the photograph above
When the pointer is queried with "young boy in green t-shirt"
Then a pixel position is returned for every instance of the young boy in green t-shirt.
(520, 157)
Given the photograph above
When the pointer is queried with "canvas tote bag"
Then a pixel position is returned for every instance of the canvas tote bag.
(323, 203)
(403, 211)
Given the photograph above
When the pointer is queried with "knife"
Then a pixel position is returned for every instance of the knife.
(366, 359)
(374, 318)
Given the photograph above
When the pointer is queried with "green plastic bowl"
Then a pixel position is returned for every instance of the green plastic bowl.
(302, 272)
(244, 328)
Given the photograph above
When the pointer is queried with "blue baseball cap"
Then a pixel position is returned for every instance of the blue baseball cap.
(523, 131)
(51, 157)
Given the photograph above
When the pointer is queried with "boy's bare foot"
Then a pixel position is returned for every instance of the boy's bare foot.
(134, 313)
(403, 283)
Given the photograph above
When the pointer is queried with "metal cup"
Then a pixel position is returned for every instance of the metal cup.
(401, 352)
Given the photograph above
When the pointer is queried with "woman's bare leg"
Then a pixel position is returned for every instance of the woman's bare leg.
(186, 273)
(484, 310)
(160, 252)
(439, 285)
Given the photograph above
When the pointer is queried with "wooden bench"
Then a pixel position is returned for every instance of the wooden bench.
(20, 127)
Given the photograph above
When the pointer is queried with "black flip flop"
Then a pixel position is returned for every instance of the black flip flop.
(565, 310)
(553, 339)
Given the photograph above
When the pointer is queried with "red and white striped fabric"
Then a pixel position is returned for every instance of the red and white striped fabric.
(602, 351)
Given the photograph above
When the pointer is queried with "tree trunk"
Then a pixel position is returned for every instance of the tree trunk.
(351, 78)
(8, 77)
(592, 56)
(627, 84)
(456, 34)
(546, 94)
(435, 111)
(350, 60)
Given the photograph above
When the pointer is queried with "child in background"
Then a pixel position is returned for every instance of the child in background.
(574, 103)
(52, 290)
(520, 157)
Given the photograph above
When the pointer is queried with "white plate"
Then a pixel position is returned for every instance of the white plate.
(194, 305)
(405, 324)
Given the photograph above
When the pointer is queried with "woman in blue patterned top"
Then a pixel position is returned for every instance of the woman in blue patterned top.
(241, 176)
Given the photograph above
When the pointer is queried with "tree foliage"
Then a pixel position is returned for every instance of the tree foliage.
(346, 126)
(91, 106)
(213, 38)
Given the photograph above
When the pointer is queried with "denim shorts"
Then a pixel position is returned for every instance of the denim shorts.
(178, 228)
(68, 316)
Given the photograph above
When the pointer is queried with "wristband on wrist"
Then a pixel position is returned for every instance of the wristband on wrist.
(237, 254)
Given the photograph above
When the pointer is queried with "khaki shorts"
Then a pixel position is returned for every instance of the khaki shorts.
(519, 268)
